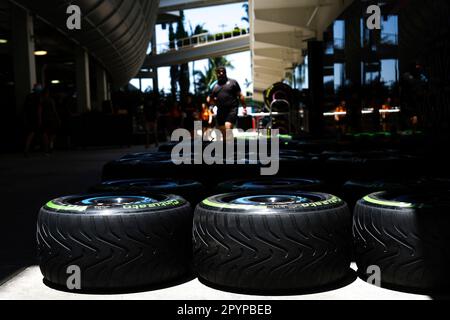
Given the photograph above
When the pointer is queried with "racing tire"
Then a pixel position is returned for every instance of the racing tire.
(265, 184)
(117, 243)
(406, 236)
(190, 190)
(276, 242)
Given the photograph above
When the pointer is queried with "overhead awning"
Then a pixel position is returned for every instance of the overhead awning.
(174, 5)
(280, 31)
(116, 33)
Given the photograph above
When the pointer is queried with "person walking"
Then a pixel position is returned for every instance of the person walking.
(226, 95)
(33, 116)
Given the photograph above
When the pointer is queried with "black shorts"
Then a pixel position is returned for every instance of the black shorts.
(230, 116)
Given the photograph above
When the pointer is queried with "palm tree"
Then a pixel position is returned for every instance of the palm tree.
(246, 18)
(174, 70)
(184, 80)
(199, 29)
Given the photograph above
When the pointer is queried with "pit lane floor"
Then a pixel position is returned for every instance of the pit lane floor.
(27, 184)
(28, 285)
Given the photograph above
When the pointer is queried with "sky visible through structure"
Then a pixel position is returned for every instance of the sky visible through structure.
(215, 19)
(224, 18)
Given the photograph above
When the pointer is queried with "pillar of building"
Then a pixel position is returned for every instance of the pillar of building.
(354, 63)
(23, 53)
(102, 86)
(155, 70)
(353, 49)
(316, 85)
(83, 81)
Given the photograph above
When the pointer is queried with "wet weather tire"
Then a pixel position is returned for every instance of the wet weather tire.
(270, 184)
(407, 237)
(118, 243)
(272, 242)
(190, 190)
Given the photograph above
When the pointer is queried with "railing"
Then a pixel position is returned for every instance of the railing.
(389, 38)
(199, 39)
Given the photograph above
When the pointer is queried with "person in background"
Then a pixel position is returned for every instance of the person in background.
(33, 116)
(384, 117)
(206, 117)
(189, 111)
(164, 118)
(151, 116)
(176, 115)
(50, 121)
(64, 106)
(226, 95)
(340, 118)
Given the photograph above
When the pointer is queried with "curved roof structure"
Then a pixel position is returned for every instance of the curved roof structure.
(116, 32)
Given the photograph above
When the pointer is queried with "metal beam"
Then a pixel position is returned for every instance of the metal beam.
(272, 64)
(289, 55)
(146, 75)
(287, 16)
(176, 5)
(271, 72)
(293, 40)
(209, 50)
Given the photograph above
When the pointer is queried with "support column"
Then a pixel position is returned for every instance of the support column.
(316, 86)
(102, 87)
(353, 66)
(353, 48)
(83, 81)
(155, 70)
(23, 53)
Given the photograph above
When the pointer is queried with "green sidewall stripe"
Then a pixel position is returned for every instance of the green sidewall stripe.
(231, 206)
(59, 207)
(388, 203)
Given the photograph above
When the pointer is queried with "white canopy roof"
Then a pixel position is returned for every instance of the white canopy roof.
(279, 33)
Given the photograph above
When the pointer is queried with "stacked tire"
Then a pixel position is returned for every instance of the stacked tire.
(405, 236)
(271, 184)
(115, 243)
(272, 242)
(190, 190)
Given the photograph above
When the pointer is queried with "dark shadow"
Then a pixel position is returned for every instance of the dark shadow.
(8, 272)
(141, 289)
(348, 279)
(435, 294)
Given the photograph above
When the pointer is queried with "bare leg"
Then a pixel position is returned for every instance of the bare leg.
(228, 126)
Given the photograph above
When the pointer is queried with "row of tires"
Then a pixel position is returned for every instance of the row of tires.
(350, 191)
(266, 241)
(332, 166)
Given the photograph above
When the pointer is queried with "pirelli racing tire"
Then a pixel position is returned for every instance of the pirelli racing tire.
(405, 236)
(190, 190)
(270, 184)
(353, 190)
(272, 242)
(117, 243)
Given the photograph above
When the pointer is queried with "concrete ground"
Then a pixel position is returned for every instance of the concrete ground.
(28, 285)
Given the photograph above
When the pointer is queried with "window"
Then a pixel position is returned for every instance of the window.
(389, 30)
